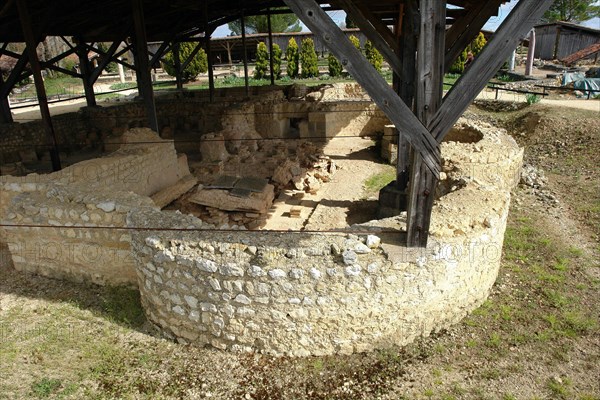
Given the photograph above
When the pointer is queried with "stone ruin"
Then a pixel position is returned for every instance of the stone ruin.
(185, 229)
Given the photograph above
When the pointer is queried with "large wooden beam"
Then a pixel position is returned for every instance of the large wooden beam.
(245, 54)
(374, 30)
(466, 28)
(382, 94)
(106, 59)
(86, 74)
(32, 44)
(428, 99)
(142, 64)
(520, 21)
(177, 62)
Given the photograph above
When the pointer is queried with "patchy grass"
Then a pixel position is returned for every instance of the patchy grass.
(378, 181)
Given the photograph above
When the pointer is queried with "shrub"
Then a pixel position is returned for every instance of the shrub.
(335, 66)
(459, 65)
(292, 57)
(198, 65)
(262, 61)
(478, 44)
(308, 59)
(373, 55)
(277, 61)
(355, 41)
(532, 98)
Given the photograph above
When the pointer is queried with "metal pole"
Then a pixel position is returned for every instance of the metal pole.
(530, 53)
(39, 82)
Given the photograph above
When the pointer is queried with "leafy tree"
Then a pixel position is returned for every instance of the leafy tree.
(308, 59)
(277, 61)
(373, 55)
(112, 66)
(293, 59)
(572, 11)
(349, 23)
(355, 41)
(335, 66)
(260, 24)
(459, 65)
(478, 44)
(262, 61)
(198, 65)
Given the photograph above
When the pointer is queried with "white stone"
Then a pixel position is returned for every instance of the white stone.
(228, 310)
(315, 273)
(349, 257)
(294, 300)
(219, 323)
(153, 241)
(206, 265)
(191, 300)
(195, 315)
(361, 248)
(106, 206)
(277, 273)
(296, 273)
(179, 310)
(176, 299)
(421, 261)
(214, 284)
(332, 271)
(245, 312)
(353, 270)
(372, 268)
(255, 271)
(231, 269)
(208, 307)
(164, 256)
(373, 241)
(242, 299)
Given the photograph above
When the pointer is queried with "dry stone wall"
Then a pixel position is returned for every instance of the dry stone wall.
(312, 294)
(95, 194)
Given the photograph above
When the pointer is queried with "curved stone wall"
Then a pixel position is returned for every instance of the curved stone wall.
(303, 293)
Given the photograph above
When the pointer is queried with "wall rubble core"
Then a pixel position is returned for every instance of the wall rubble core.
(296, 293)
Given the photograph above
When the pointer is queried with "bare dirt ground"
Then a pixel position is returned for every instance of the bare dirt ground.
(537, 336)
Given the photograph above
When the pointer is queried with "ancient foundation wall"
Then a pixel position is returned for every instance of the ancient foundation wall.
(96, 194)
(271, 114)
(303, 294)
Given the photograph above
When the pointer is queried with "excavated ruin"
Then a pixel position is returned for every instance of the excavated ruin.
(186, 228)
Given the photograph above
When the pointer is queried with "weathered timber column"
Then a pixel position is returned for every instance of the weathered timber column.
(177, 62)
(32, 43)
(142, 64)
(207, 34)
(245, 53)
(86, 73)
(406, 90)
(428, 99)
(271, 62)
(5, 114)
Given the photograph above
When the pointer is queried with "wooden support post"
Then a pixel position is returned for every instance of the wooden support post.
(207, 35)
(177, 60)
(271, 61)
(428, 98)
(142, 64)
(5, 114)
(520, 21)
(32, 43)
(245, 53)
(380, 91)
(211, 76)
(86, 74)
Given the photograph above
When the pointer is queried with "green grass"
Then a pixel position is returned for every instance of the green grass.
(378, 181)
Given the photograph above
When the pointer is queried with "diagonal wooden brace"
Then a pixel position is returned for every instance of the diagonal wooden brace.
(382, 94)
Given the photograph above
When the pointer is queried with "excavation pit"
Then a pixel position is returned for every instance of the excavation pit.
(206, 278)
